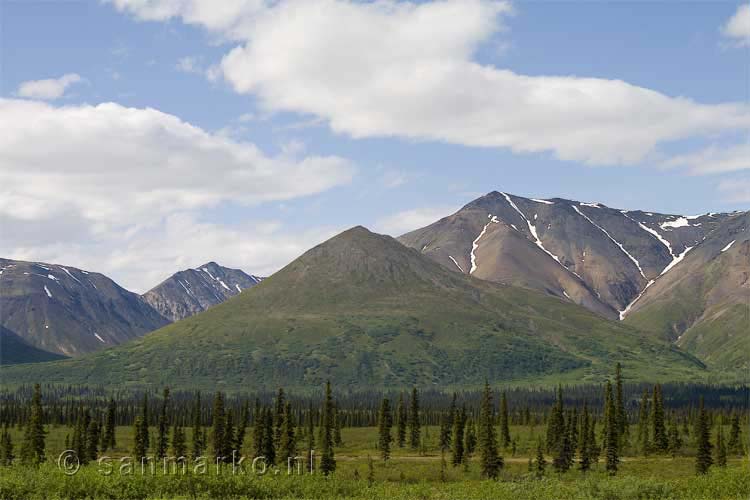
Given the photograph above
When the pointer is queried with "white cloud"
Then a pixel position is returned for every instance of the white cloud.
(409, 220)
(714, 159)
(113, 175)
(737, 28)
(49, 89)
(386, 68)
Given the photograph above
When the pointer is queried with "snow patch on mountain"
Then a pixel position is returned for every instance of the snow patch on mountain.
(532, 230)
(676, 261)
(98, 337)
(625, 311)
(49, 294)
(679, 222)
(728, 246)
(68, 273)
(633, 259)
(475, 243)
(546, 202)
(457, 265)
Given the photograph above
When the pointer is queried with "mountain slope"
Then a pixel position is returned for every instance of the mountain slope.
(366, 311)
(13, 350)
(68, 311)
(593, 255)
(703, 303)
(192, 291)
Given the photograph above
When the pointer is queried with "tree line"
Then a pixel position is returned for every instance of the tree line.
(282, 428)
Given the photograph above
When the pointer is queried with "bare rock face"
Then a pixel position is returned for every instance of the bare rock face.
(593, 255)
(192, 291)
(64, 310)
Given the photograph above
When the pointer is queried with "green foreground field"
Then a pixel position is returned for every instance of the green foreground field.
(409, 474)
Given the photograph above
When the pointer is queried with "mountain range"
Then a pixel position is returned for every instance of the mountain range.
(508, 288)
(67, 311)
(192, 291)
(367, 311)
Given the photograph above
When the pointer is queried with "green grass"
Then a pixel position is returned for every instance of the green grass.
(409, 474)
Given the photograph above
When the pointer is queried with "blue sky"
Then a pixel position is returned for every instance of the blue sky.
(343, 115)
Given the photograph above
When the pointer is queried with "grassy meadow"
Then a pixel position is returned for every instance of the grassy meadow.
(408, 474)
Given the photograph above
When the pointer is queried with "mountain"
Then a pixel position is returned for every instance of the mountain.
(194, 290)
(599, 257)
(365, 311)
(14, 350)
(703, 303)
(64, 310)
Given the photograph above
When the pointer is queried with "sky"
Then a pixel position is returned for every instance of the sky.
(141, 137)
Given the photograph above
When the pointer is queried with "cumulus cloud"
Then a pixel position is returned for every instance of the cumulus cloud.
(406, 69)
(49, 89)
(737, 28)
(116, 174)
(409, 220)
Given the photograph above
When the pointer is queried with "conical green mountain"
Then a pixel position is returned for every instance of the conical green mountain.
(367, 312)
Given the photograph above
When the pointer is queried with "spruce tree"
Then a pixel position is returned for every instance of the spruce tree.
(109, 442)
(734, 445)
(703, 460)
(414, 420)
(660, 439)
(446, 426)
(239, 441)
(199, 441)
(385, 422)
(178, 441)
(310, 438)
(612, 441)
(229, 435)
(401, 420)
(92, 440)
(490, 460)
(6, 448)
(721, 449)
(140, 443)
(32, 447)
(162, 436)
(278, 416)
(504, 427)
(540, 462)
(327, 458)
(288, 442)
(621, 415)
(555, 424)
(459, 421)
(79, 435)
(218, 435)
(259, 425)
(563, 457)
(269, 449)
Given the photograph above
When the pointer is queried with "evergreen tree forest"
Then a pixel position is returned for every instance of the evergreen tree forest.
(561, 432)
